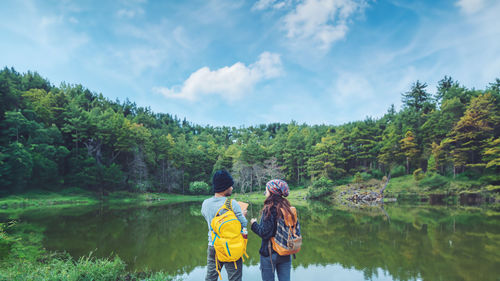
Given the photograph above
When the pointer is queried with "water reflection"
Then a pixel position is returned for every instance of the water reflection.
(400, 242)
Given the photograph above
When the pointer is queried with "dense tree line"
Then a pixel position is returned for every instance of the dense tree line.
(68, 136)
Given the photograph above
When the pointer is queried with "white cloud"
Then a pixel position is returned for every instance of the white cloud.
(153, 46)
(470, 6)
(322, 21)
(262, 4)
(266, 4)
(131, 8)
(50, 36)
(230, 82)
(466, 49)
(129, 13)
(352, 88)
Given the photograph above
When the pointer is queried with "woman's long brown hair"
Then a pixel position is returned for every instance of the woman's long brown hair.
(275, 200)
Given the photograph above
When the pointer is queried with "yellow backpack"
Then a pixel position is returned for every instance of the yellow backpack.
(229, 243)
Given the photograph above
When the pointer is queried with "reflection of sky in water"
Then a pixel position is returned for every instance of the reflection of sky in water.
(312, 273)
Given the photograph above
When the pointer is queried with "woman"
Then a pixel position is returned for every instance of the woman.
(274, 206)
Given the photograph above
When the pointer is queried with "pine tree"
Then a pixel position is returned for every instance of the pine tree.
(469, 136)
(326, 160)
(409, 149)
(491, 153)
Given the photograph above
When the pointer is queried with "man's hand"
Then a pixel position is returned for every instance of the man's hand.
(253, 220)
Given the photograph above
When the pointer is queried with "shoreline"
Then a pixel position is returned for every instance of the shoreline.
(77, 197)
(298, 196)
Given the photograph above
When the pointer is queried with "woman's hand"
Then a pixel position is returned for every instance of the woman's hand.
(253, 220)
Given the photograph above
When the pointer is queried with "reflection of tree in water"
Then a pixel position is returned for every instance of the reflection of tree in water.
(427, 242)
(432, 243)
(165, 238)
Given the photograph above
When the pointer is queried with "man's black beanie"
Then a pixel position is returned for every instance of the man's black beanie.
(221, 181)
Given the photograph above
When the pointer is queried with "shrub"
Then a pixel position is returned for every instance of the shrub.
(434, 181)
(199, 187)
(431, 164)
(357, 178)
(469, 174)
(418, 174)
(398, 171)
(320, 188)
(490, 178)
(112, 176)
(342, 181)
(65, 268)
(6, 241)
(376, 173)
(366, 176)
(142, 186)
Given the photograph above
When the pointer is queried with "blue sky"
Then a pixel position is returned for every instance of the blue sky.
(232, 62)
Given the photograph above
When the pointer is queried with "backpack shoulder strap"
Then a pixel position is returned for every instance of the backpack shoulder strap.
(229, 204)
(294, 212)
(290, 219)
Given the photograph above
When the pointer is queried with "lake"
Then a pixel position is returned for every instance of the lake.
(396, 242)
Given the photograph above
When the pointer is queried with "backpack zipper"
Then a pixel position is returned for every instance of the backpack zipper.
(227, 247)
(225, 222)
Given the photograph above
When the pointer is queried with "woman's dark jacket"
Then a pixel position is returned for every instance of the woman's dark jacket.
(266, 229)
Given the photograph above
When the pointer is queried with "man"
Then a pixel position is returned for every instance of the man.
(223, 187)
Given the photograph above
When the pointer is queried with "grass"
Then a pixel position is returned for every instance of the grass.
(38, 199)
(64, 268)
(404, 186)
(296, 197)
(407, 184)
(151, 198)
(41, 198)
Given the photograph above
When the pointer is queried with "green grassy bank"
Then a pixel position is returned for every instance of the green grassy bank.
(297, 197)
(407, 186)
(433, 188)
(75, 197)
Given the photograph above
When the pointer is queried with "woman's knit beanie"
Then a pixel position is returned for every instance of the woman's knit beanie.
(279, 187)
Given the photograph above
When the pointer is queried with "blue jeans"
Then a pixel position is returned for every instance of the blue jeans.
(281, 264)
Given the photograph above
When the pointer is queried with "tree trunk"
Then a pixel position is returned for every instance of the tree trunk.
(407, 166)
(386, 183)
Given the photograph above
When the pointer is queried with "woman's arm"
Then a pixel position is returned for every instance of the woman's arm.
(265, 228)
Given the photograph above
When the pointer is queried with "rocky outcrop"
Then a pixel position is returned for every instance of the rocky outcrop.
(366, 193)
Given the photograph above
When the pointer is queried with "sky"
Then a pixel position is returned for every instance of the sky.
(243, 63)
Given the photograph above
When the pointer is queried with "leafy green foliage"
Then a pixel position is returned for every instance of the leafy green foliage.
(59, 137)
(398, 171)
(357, 178)
(320, 188)
(377, 174)
(434, 181)
(200, 187)
(418, 174)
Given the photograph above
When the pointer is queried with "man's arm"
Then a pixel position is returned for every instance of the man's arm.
(204, 212)
(239, 214)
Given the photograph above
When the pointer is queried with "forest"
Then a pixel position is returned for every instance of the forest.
(66, 136)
